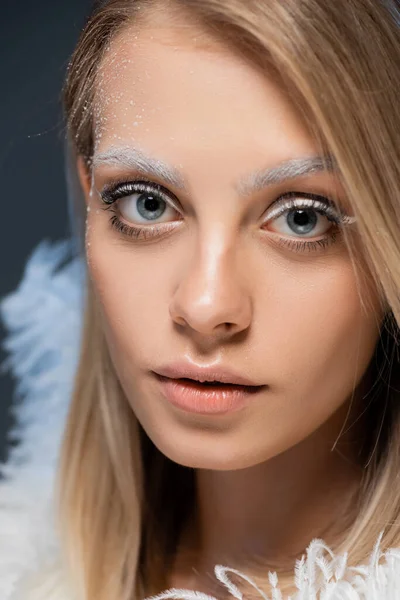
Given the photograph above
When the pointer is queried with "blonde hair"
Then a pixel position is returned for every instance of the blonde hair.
(122, 504)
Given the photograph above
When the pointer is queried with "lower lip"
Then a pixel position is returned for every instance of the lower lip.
(210, 400)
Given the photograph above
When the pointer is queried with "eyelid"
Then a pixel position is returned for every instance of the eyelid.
(293, 200)
(116, 190)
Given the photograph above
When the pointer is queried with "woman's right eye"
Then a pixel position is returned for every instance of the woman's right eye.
(141, 202)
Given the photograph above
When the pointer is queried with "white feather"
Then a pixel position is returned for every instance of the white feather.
(42, 318)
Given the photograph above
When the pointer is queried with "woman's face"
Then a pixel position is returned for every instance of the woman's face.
(219, 272)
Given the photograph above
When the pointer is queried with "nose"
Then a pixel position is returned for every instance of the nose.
(212, 299)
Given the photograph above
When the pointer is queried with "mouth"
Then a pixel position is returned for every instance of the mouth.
(208, 390)
(211, 397)
(217, 385)
(205, 375)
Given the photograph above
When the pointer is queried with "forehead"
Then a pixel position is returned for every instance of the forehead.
(160, 88)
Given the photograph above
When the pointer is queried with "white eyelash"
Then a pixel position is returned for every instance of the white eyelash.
(322, 207)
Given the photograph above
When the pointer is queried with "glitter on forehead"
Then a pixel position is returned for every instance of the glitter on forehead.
(118, 91)
(108, 93)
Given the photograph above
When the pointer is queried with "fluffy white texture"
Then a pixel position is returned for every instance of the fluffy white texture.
(43, 320)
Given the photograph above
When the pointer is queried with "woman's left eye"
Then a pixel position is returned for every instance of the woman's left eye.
(301, 216)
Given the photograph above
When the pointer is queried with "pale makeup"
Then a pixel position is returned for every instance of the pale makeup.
(226, 146)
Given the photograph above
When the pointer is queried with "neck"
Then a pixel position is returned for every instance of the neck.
(267, 514)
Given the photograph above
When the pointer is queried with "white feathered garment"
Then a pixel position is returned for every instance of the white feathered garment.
(43, 320)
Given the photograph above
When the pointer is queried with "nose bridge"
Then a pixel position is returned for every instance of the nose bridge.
(212, 291)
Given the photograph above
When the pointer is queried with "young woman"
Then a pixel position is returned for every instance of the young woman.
(236, 399)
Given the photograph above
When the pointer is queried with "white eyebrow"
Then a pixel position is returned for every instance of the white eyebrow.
(296, 167)
(132, 158)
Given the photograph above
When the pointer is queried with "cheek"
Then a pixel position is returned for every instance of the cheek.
(323, 339)
(131, 287)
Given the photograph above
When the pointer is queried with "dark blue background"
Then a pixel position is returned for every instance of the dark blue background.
(36, 41)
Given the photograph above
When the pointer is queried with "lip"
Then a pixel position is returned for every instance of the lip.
(203, 374)
(194, 397)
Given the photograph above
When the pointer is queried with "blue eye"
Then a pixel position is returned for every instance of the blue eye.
(301, 215)
(302, 222)
(141, 203)
(140, 200)
(144, 207)
(149, 206)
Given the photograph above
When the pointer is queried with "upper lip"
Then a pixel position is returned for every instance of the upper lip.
(203, 373)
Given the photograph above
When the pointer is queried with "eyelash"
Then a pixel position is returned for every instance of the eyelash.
(316, 202)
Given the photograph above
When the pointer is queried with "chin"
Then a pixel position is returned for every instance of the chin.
(212, 456)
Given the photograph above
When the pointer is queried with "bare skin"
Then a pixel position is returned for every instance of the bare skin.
(270, 476)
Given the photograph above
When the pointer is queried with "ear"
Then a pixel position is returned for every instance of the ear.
(84, 177)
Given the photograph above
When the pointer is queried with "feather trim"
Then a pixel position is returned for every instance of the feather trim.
(319, 575)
